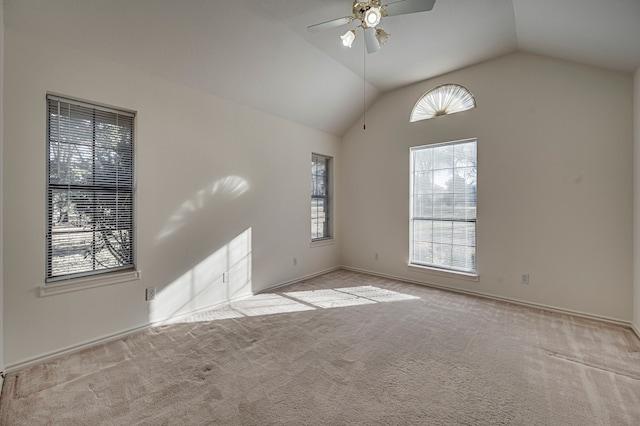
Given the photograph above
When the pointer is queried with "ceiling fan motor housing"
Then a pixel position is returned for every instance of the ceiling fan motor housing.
(360, 9)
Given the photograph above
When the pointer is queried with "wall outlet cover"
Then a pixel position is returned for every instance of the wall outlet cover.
(150, 293)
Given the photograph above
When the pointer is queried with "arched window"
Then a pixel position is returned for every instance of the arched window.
(442, 100)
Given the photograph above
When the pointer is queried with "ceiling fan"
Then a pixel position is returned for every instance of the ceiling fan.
(370, 13)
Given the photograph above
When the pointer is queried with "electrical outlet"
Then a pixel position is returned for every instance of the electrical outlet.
(295, 261)
(150, 293)
(524, 278)
(225, 277)
(376, 256)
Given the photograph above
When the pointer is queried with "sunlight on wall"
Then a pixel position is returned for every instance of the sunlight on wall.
(230, 186)
(205, 285)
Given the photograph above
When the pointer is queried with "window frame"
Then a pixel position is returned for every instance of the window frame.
(327, 231)
(87, 278)
(436, 267)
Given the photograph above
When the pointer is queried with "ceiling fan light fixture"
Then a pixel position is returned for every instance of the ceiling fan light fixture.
(348, 37)
(382, 36)
(372, 17)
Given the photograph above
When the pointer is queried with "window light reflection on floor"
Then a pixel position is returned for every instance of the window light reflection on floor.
(348, 296)
(328, 298)
(268, 304)
(271, 303)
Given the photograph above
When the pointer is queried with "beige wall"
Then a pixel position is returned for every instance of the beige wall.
(554, 183)
(636, 198)
(219, 187)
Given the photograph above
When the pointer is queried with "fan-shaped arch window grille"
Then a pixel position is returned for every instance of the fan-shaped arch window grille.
(442, 100)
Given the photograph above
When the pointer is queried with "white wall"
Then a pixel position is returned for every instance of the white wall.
(636, 210)
(554, 183)
(219, 187)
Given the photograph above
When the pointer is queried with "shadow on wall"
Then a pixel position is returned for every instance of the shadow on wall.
(231, 186)
(221, 277)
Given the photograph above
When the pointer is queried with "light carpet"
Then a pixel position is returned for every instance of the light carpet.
(344, 349)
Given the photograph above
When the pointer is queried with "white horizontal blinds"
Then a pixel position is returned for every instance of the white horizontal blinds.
(90, 189)
(319, 197)
(443, 198)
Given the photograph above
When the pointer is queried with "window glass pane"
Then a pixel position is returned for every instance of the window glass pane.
(423, 206)
(463, 233)
(423, 182)
(442, 157)
(422, 237)
(442, 206)
(423, 253)
(443, 180)
(423, 230)
(463, 258)
(442, 255)
(464, 207)
(423, 160)
(464, 155)
(442, 232)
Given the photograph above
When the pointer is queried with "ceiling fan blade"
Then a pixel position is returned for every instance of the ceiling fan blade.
(330, 24)
(371, 41)
(407, 6)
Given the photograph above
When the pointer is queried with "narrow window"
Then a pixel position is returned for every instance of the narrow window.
(443, 206)
(320, 205)
(90, 189)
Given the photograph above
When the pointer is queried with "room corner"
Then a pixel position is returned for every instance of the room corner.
(636, 203)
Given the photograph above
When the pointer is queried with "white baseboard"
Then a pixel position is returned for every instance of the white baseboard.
(71, 349)
(635, 329)
(601, 318)
(108, 338)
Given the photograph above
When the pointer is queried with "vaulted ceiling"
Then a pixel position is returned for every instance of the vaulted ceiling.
(259, 53)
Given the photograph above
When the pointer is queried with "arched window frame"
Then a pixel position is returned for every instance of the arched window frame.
(442, 100)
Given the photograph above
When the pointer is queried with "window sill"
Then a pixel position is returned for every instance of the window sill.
(323, 242)
(445, 272)
(91, 282)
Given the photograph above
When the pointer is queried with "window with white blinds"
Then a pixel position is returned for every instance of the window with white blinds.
(320, 197)
(90, 189)
(443, 206)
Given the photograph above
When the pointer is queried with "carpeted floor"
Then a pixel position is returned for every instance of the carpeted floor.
(360, 350)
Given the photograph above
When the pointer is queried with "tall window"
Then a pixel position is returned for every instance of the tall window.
(90, 189)
(443, 206)
(320, 207)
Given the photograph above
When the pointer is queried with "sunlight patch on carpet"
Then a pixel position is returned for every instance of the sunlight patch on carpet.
(328, 298)
(268, 304)
(378, 294)
(210, 315)
(348, 296)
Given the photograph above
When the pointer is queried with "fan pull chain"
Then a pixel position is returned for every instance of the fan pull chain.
(364, 86)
